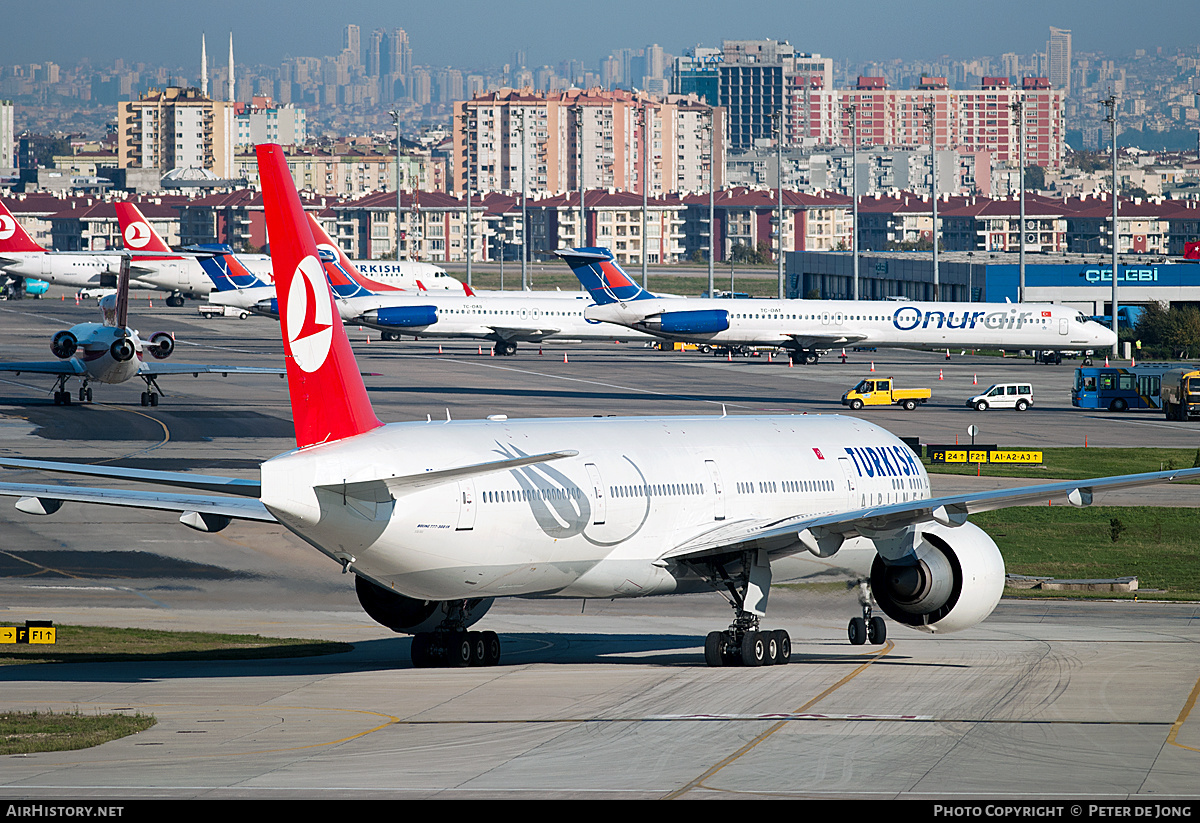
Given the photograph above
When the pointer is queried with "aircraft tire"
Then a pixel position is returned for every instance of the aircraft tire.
(784, 643)
(877, 630)
(857, 631)
(754, 649)
(459, 652)
(491, 649)
(714, 649)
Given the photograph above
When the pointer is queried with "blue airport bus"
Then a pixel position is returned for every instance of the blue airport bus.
(1119, 388)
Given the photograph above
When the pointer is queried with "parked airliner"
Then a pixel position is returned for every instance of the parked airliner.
(807, 328)
(22, 257)
(436, 519)
(111, 352)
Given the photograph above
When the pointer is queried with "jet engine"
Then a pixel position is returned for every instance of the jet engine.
(161, 345)
(952, 581)
(407, 615)
(708, 321)
(402, 316)
(122, 349)
(64, 344)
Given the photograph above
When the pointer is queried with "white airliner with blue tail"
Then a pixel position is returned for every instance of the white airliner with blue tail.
(807, 328)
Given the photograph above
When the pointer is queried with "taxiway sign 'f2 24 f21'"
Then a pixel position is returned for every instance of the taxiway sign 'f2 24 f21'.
(111, 352)
(807, 327)
(436, 519)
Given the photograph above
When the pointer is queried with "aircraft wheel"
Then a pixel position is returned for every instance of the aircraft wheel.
(857, 631)
(491, 649)
(714, 649)
(754, 651)
(784, 643)
(145, 398)
(153, 398)
(420, 651)
(770, 648)
(876, 630)
(460, 651)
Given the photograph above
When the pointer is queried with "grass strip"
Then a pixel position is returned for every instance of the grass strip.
(38, 731)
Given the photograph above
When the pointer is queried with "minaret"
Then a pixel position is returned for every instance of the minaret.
(203, 68)
(232, 98)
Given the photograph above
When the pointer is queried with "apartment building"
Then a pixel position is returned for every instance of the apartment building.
(553, 143)
(176, 128)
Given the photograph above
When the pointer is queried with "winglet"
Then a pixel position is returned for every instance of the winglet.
(12, 236)
(599, 273)
(329, 399)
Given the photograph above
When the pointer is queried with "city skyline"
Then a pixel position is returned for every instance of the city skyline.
(927, 29)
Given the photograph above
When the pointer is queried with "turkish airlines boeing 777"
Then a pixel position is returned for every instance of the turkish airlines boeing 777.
(436, 519)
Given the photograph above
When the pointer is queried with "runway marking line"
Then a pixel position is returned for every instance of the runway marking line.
(699, 781)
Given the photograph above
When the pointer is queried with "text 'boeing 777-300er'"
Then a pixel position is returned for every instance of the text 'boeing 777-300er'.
(436, 519)
(806, 328)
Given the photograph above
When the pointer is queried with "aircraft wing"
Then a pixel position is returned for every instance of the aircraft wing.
(890, 527)
(68, 366)
(826, 341)
(159, 368)
(525, 334)
(203, 482)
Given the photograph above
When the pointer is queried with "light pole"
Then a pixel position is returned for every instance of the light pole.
(779, 193)
(1018, 108)
(647, 115)
(396, 119)
(852, 110)
(1111, 119)
(522, 128)
(930, 109)
(579, 140)
(466, 119)
(710, 128)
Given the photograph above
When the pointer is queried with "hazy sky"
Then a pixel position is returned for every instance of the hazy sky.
(471, 35)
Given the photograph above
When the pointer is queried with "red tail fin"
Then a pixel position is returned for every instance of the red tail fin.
(323, 239)
(12, 236)
(137, 232)
(329, 400)
(470, 292)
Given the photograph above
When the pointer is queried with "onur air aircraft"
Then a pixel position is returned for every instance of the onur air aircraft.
(807, 328)
(111, 352)
(437, 519)
(22, 257)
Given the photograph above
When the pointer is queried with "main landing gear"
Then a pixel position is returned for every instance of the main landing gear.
(804, 357)
(150, 396)
(868, 628)
(450, 645)
(505, 348)
(174, 300)
(744, 643)
(62, 395)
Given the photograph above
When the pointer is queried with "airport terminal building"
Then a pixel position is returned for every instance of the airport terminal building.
(1083, 281)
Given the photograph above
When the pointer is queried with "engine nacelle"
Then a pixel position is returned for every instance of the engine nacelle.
(406, 614)
(161, 345)
(269, 308)
(122, 350)
(954, 582)
(708, 321)
(64, 344)
(402, 316)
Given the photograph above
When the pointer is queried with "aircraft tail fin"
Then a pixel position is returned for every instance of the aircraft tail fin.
(228, 274)
(329, 399)
(347, 281)
(12, 236)
(603, 278)
(137, 232)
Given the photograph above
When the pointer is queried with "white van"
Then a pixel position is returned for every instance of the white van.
(1017, 396)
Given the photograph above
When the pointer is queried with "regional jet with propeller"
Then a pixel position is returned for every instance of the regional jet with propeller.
(111, 352)
(436, 519)
(807, 328)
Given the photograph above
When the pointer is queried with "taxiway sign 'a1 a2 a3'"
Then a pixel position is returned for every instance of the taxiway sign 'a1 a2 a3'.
(436, 519)
(111, 352)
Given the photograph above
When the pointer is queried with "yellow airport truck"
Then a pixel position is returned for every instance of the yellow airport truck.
(1180, 392)
(882, 392)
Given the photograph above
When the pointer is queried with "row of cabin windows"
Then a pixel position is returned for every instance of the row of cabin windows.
(785, 486)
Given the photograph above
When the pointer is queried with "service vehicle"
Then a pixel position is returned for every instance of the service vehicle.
(1181, 393)
(882, 392)
(211, 310)
(1017, 396)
